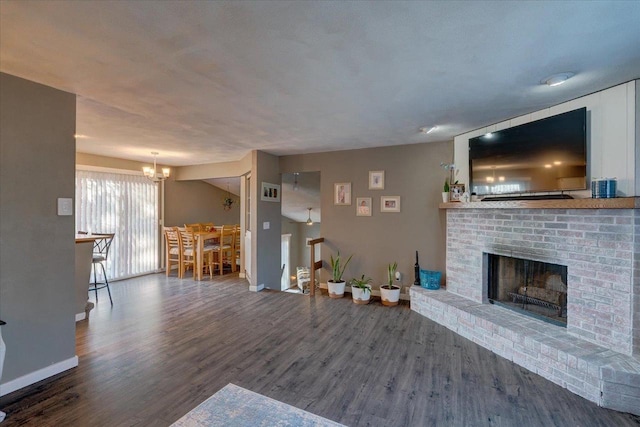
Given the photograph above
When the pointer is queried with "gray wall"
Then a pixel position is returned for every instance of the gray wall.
(412, 172)
(265, 251)
(197, 201)
(37, 165)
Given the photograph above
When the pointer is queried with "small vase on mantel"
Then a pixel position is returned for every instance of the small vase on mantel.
(445, 197)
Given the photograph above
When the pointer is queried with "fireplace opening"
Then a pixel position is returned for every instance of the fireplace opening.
(538, 289)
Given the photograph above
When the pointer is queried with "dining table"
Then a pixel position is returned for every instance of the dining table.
(200, 237)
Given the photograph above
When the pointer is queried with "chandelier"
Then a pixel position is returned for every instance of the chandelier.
(150, 172)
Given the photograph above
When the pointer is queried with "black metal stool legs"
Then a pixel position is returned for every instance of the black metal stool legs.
(106, 283)
(99, 285)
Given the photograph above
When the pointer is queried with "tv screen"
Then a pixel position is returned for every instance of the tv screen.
(542, 156)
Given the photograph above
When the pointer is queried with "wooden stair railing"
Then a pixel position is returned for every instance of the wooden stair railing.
(315, 265)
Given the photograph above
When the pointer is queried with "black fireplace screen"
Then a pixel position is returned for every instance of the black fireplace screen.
(536, 288)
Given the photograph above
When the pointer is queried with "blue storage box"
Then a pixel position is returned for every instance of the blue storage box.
(604, 188)
(430, 279)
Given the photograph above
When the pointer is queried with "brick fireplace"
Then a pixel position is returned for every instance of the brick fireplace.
(597, 354)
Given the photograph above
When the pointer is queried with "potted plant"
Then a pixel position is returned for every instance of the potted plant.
(361, 289)
(389, 293)
(227, 202)
(336, 284)
(445, 191)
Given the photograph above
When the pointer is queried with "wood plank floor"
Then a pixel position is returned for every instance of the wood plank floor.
(169, 344)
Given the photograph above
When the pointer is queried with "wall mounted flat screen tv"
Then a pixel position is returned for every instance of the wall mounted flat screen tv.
(547, 155)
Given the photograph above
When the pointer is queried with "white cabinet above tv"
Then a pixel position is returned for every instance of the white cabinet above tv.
(611, 136)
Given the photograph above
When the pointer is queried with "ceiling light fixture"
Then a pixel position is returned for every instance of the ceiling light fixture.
(556, 79)
(488, 135)
(427, 130)
(309, 220)
(151, 173)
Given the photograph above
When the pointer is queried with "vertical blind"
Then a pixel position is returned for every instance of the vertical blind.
(126, 205)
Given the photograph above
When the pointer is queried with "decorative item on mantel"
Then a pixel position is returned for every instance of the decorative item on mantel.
(445, 191)
(603, 188)
(449, 181)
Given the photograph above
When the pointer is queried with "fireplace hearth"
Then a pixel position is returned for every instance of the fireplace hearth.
(597, 354)
(537, 289)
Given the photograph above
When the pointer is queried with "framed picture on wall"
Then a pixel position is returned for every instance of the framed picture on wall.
(270, 192)
(390, 204)
(342, 193)
(363, 206)
(376, 180)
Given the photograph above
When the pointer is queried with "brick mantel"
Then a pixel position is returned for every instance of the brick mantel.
(617, 203)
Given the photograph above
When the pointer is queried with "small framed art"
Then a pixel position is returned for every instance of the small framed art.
(342, 193)
(363, 206)
(390, 204)
(456, 192)
(270, 192)
(376, 180)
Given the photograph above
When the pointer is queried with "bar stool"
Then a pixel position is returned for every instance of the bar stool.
(100, 253)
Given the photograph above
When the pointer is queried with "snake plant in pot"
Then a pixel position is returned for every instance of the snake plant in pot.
(336, 284)
(361, 289)
(389, 293)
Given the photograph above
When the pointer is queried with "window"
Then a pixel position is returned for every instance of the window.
(126, 205)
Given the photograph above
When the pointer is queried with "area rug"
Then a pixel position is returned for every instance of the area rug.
(236, 406)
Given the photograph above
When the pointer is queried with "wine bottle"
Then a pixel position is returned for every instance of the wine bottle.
(416, 268)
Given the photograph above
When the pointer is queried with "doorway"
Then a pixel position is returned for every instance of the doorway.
(301, 218)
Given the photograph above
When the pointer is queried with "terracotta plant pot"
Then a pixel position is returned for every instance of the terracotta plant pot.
(361, 296)
(390, 297)
(336, 289)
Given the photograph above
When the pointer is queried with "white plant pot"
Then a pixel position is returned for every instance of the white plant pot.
(445, 197)
(336, 289)
(390, 297)
(361, 296)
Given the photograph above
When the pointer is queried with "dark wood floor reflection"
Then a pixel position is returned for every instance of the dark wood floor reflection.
(167, 345)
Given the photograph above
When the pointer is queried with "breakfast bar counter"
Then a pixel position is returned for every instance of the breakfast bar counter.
(84, 257)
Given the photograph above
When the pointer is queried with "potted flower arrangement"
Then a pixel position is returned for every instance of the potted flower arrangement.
(361, 289)
(445, 191)
(451, 168)
(336, 284)
(389, 293)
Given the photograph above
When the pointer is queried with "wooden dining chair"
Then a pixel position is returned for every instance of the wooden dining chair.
(188, 251)
(223, 249)
(172, 244)
(237, 247)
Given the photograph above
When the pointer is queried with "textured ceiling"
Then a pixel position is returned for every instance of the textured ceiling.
(204, 81)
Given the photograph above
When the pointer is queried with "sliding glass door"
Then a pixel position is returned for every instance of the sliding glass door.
(126, 205)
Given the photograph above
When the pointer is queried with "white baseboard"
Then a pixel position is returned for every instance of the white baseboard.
(256, 288)
(242, 275)
(81, 316)
(39, 375)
